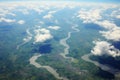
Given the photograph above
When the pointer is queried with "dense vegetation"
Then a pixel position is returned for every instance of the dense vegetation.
(14, 64)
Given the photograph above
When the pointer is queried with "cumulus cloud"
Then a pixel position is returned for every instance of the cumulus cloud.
(89, 16)
(106, 24)
(7, 20)
(21, 22)
(42, 35)
(116, 13)
(38, 10)
(113, 31)
(95, 16)
(24, 11)
(54, 27)
(105, 48)
(113, 34)
(49, 15)
(4, 12)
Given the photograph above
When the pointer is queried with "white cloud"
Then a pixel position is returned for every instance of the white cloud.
(105, 48)
(7, 20)
(41, 22)
(51, 12)
(90, 16)
(29, 37)
(12, 14)
(21, 22)
(38, 10)
(113, 34)
(116, 13)
(106, 24)
(24, 11)
(48, 16)
(42, 35)
(118, 16)
(113, 31)
(94, 16)
(54, 27)
(4, 12)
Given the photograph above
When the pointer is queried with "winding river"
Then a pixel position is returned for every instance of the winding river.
(48, 68)
(66, 51)
(26, 40)
(86, 57)
(109, 69)
(64, 43)
(33, 59)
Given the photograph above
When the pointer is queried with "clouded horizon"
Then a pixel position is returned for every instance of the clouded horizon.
(102, 1)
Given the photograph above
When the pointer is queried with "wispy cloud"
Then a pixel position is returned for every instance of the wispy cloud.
(54, 27)
(29, 37)
(49, 15)
(7, 20)
(21, 22)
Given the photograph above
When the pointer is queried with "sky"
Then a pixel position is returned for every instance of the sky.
(118, 1)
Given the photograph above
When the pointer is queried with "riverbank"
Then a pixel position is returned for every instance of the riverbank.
(107, 68)
(32, 61)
